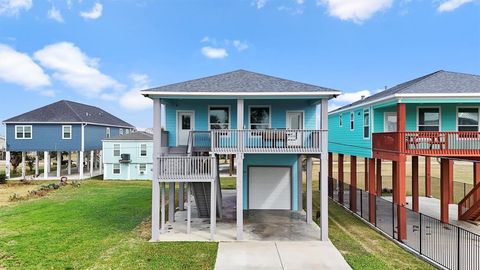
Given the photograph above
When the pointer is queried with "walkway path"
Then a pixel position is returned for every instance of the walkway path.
(287, 255)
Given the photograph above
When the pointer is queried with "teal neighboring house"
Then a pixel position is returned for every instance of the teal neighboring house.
(128, 157)
(436, 115)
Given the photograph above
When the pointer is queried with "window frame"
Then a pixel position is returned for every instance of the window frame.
(439, 117)
(457, 120)
(119, 169)
(352, 120)
(63, 132)
(385, 117)
(119, 150)
(340, 119)
(260, 106)
(146, 150)
(140, 166)
(369, 126)
(23, 132)
(108, 133)
(120, 131)
(229, 117)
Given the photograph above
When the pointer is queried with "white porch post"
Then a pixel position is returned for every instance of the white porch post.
(7, 164)
(240, 115)
(324, 171)
(213, 208)
(181, 196)
(162, 210)
(100, 157)
(157, 199)
(80, 165)
(171, 202)
(309, 189)
(300, 181)
(36, 163)
(92, 158)
(59, 163)
(69, 163)
(24, 167)
(189, 208)
(45, 164)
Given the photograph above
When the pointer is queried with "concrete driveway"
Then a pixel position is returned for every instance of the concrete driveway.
(279, 255)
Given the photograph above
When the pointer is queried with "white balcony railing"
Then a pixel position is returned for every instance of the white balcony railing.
(191, 168)
(266, 141)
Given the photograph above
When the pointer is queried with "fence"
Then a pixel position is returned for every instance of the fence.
(446, 244)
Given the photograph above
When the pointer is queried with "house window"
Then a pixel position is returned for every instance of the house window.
(66, 132)
(120, 131)
(352, 120)
(219, 117)
(340, 120)
(428, 119)
(127, 131)
(142, 168)
(260, 117)
(116, 168)
(366, 123)
(143, 150)
(116, 150)
(107, 133)
(390, 119)
(23, 132)
(467, 119)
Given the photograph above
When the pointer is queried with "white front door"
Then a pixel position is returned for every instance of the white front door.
(185, 124)
(270, 188)
(294, 121)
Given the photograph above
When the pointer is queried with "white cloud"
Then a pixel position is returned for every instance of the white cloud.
(451, 5)
(55, 14)
(214, 53)
(77, 70)
(355, 10)
(20, 69)
(133, 99)
(259, 3)
(347, 98)
(94, 13)
(13, 7)
(241, 46)
(300, 2)
(47, 93)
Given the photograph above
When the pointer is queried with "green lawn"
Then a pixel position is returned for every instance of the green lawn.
(100, 225)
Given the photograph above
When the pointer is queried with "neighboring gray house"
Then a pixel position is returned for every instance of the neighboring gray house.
(2, 148)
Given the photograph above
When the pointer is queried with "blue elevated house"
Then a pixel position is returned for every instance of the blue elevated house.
(62, 127)
(270, 124)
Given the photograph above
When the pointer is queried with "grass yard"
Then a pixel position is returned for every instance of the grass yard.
(101, 225)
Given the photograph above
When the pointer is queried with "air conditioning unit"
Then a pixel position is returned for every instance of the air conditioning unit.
(125, 158)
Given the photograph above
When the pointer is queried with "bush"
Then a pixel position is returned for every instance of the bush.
(3, 179)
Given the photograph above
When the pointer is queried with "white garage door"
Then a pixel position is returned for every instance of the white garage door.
(269, 188)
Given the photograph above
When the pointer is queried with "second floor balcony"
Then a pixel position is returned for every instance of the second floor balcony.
(230, 141)
(428, 143)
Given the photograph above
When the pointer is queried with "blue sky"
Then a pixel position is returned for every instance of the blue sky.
(102, 52)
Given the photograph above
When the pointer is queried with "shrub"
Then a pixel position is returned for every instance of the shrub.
(3, 179)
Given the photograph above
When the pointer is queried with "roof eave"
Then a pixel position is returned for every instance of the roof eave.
(154, 94)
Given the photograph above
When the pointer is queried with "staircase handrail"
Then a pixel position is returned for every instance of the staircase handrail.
(463, 203)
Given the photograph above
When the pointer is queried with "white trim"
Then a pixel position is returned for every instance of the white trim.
(352, 120)
(430, 107)
(178, 122)
(63, 132)
(240, 94)
(467, 107)
(441, 95)
(295, 111)
(119, 169)
(120, 131)
(83, 138)
(146, 150)
(229, 115)
(23, 132)
(146, 168)
(260, 106)
(68, 123)
(385, 120)
(340, 119)
(369, 123)
(119, 150)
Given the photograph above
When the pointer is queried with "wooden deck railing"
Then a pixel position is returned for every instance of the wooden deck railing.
(466, 204)
(191, 168)
(266, 141)
(428, 143)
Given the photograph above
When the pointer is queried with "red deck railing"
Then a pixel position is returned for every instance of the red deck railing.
(466, 204)
(461, 143)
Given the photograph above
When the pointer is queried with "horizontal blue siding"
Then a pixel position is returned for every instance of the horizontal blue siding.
(45, 137)
(271, 160)
(95, 134)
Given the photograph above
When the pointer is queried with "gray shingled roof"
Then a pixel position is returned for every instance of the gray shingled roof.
(439, 82)
(65, 111)
(240, 81)
(134, 136)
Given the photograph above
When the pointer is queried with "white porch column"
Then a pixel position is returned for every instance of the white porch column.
(36, 164)
(181, 196)
(100, 161)
(59, 163)
(78, 161)
(45, 164)
(80, 165)
(24, 165)
(7, 164)
(158, 200)
(49, 162)
(309, 189)
(213, 209)
(300, 181)
(189, 208)
(240, 115)
(171, 202)
(69, 163)
(324, 171)
(92, 158)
